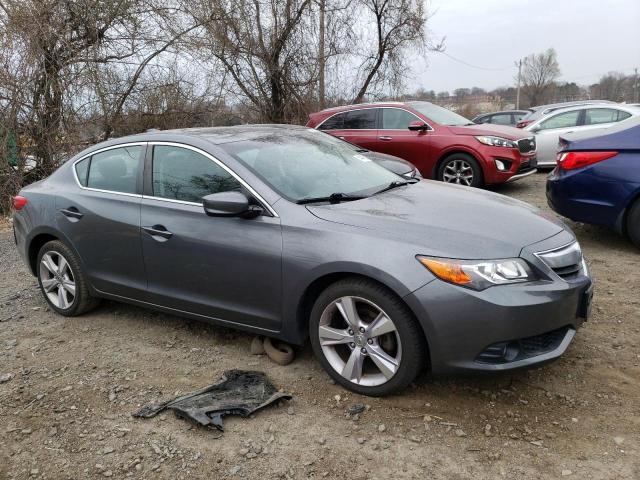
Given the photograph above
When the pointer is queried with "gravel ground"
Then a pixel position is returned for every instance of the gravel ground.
(65, 411)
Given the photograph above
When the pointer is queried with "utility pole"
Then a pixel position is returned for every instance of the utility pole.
(518, 89)
(636, 92)
(321, 59)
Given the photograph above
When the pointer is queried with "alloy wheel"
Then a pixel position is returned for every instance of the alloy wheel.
(458, 171)
(360, 341)
(57, 280)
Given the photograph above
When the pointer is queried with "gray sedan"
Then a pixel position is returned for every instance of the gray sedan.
(287, 232)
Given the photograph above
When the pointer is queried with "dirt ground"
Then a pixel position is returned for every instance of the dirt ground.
(66, 411)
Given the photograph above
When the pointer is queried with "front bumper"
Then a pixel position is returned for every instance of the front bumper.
(461, 325)
(519, 165)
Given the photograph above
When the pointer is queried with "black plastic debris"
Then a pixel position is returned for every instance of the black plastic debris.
(239, 393)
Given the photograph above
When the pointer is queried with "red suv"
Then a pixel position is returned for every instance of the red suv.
(440, 143)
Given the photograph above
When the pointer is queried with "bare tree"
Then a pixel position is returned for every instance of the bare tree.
(398, 25)
(539, 74)
(261, 45)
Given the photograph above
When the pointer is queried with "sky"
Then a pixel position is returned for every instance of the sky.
(591, 37)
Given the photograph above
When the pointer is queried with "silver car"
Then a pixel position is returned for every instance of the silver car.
(549, 128)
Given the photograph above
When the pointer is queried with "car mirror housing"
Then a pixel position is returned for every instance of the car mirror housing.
(418, 125)
(230, 204)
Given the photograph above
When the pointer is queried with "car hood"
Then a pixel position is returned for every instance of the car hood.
(447, 220)
(504, 131)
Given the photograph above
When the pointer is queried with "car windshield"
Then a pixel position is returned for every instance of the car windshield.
(439, 114)
(304, 164)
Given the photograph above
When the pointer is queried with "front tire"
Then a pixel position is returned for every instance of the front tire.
(62, 281)
(366, 338)
(633, 223)
(461, 169)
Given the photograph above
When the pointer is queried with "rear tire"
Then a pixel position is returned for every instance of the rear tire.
(63, 283)
(633, 223)
(461, 169)
(380, 351)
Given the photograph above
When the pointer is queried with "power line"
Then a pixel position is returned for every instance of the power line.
(491, 69)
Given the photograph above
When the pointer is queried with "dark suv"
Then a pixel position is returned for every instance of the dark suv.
(440, 143)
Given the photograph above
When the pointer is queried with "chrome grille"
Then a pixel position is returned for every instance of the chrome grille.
(565, 261)
(527, 145)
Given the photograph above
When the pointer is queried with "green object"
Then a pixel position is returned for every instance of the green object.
(12, 150)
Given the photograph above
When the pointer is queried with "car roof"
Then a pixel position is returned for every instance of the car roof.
(548, 106)
(218, 135)
(353, 106)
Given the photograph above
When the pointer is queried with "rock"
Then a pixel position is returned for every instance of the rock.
(112, 396)
(34, 472)
(487, 430)
(618, 441)
(243, 451)
(361, 440)
(381, 427)
(235, 469)
(322, 441)
(291, 411)
(566, 473)
(460, 433)
(537, 443)
(107, 450)
(355, 409)
(251, 455)
(107, 473)
(5, 377)
(26, 431)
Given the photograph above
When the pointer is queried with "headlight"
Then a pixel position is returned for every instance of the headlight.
(496, 141)
(478, 274)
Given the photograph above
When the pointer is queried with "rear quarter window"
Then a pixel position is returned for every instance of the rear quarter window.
(82, 169)
(333, 123)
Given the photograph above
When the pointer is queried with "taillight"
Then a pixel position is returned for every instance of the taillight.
(573, 160)
(19, 202)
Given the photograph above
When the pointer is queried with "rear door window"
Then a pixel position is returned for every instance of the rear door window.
(361, 119)
(397, 119)
(501, 119)
(182, 174)
(595, 116)
(562, 120)
(115, 170)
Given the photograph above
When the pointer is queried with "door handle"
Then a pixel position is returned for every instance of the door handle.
(158, 231)
(72, 213)
(385, 137)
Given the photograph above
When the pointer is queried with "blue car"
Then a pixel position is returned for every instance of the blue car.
(597, 179)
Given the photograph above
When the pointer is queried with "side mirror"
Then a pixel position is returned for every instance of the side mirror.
(418, 126)
(230, 204)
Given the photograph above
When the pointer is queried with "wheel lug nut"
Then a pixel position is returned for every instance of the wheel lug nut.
(370, 341)
(352, 345)
(350, 332)
(361, 329)
(363, 350)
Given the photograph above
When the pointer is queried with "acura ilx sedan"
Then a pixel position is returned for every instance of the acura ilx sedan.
(287, 232)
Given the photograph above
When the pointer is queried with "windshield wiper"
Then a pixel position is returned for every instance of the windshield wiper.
(333, 198)
(394, 184)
